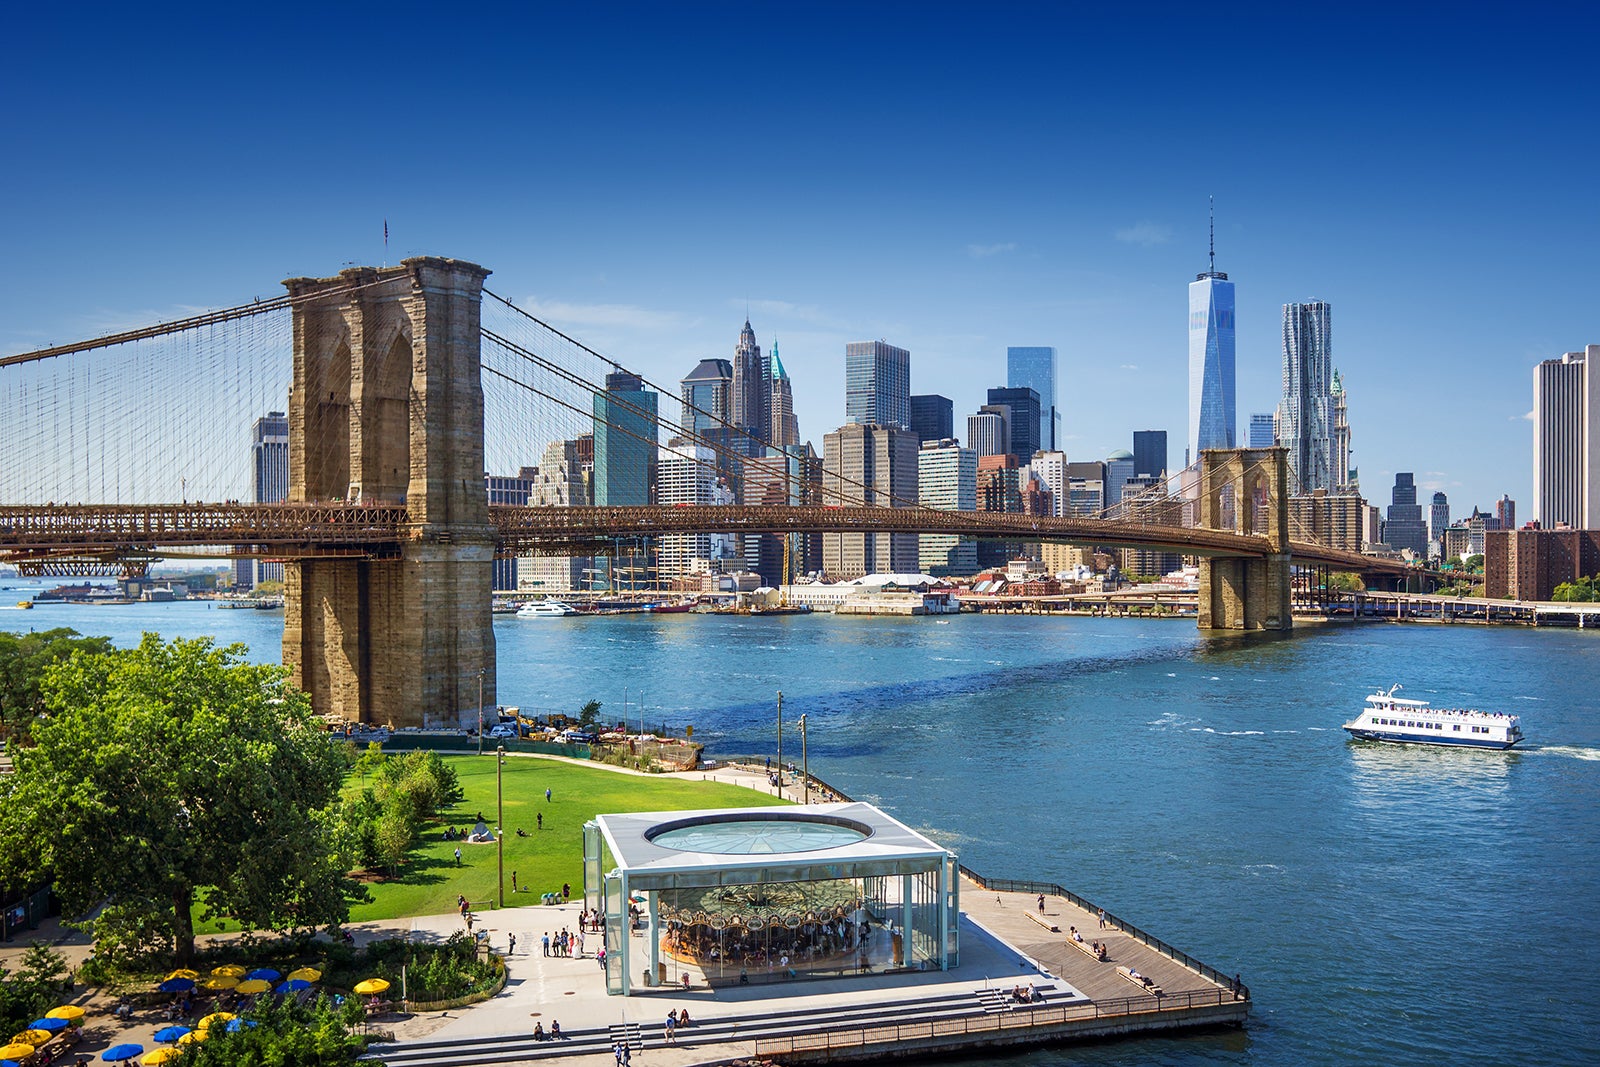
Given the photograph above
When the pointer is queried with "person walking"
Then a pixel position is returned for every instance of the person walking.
(547, 796)
(458, 857)
(1041, 903)
(539, 821)
(512, 938)
(513, 881)
(627, 1055)
(545, 944)
(616, 1050)
(1102, 918)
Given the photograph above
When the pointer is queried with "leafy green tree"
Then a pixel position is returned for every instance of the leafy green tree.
(171, 773)
(589, 713)
(1581, 591)
(32, 990)
(1474, 563)
(1346, 582)
(23, 661)
(285, 1034)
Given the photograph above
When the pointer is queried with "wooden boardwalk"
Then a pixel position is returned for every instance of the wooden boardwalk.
(1007, 914)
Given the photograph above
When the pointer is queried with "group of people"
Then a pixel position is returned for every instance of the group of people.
(676, 1018)
(539, 1033)
(564, 943)
(1025, 994)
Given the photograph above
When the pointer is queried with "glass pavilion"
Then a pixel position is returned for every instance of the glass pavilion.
(753, 895)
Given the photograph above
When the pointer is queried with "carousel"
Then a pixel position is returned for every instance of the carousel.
(767, 895)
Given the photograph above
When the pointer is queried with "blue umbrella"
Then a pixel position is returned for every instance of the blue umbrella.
(176, 985)
(169, 1034)
(48, 1024)
(293, 985)
(266, 974)
(235, 1025)
(9, 1063)
(121, 1053)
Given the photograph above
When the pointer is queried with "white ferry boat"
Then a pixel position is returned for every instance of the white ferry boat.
(546, 609)
(1414, 722)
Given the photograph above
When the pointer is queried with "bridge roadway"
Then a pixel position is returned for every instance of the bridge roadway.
(116, 531)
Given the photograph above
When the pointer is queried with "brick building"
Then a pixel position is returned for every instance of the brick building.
(1529, 564)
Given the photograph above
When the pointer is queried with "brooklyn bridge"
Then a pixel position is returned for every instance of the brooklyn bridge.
(400, 393)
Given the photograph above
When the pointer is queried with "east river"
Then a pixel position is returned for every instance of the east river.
(1384, 904)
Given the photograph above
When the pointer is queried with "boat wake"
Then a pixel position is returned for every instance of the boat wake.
(1570, 751)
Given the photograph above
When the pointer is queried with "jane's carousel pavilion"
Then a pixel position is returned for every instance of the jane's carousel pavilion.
(767, 895)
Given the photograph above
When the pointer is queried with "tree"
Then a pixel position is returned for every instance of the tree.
(589, 713)
(23, 661)
(1581, 591)
(1474, 563)
(171, 773)
(33, 989)
(1346, 582)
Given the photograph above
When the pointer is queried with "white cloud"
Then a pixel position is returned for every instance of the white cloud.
(1130, 366)
(1517, 418)
(985, 251)
(1145, 233)
(781, 309)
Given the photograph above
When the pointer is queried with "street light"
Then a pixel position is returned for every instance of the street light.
(500, 818)
(480, 711)
(805, 764)
(780, 742)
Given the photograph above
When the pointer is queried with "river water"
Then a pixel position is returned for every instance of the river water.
(1385, 905)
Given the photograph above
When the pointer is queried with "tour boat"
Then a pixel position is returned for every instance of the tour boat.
(1414, 722)
(546, 609)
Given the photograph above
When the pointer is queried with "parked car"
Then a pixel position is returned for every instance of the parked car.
(503, 732)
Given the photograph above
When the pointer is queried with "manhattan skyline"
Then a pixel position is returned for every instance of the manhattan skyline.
(1040, 178)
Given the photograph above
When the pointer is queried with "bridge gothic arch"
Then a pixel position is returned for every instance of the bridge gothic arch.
(1246, 490)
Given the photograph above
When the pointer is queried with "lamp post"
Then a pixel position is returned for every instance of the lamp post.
(480, 711)
(805, 764)
(780, 742)
(500, 819)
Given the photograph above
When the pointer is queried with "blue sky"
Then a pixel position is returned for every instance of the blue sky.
(954, 179)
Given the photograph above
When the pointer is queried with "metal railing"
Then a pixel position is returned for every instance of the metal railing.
(1235, 987)
(964, 1025)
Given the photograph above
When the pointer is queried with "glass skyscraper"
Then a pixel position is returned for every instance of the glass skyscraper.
(877, 384)
(1035, 368)
(1305, 414)
(1263, 429)
(707, 396)
(1212, 421)
(624, 441)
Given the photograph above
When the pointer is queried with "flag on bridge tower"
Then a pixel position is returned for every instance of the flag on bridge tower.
(385, 236)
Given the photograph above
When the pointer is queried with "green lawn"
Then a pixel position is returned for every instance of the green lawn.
(545, 858)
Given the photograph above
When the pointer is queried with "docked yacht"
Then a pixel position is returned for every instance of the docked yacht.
(546, 609)
(1387, 717)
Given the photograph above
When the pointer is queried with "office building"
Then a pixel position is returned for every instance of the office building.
(1305, 414)
(562, 479)
(783, 477)
(1212, 419)
(624, 441)
(1404, 528)
(1263, 429)
(932, 417)
(785, 427)
(1086, 490)
(999, 490)
(1566, 441)
(877, 384)
(750, 401)
(1344, 475)
(1438, 516)
(1145, 500)
(1334, 519)
(1119, 468)
(686, 474)
(513, 490)
(1150, 453)
(1051, 470)
(986, 432)
(1505, 509)
(1022, 422)
(269, 460)
(867, 464)
(707, 393)
(947, 478)
(1035, 368)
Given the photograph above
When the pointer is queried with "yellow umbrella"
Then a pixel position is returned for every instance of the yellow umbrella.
(216, 1018)
(32, 1037)
(372, 986)
(159, 1056)
(220, 981)
(193, 1037)
(17, 1050)
(252, 985)
(70, 1012)
(305, 974)
(184, 972)
(230, 970)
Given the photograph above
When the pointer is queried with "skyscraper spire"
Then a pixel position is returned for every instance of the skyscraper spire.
(1213, 234)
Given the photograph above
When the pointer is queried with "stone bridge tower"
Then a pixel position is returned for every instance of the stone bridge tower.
(386, 407)
(1246, 489)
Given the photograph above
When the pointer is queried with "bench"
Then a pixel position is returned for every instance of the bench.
(1144, 981)
(1087, 948)
(1042, 921)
